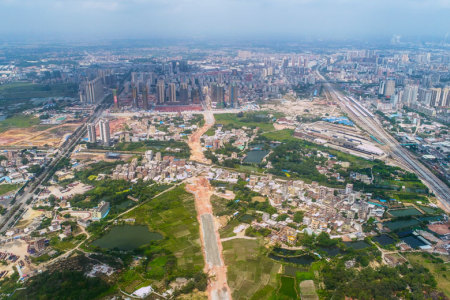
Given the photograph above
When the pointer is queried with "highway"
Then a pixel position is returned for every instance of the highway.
(366, 120)
(9, 220)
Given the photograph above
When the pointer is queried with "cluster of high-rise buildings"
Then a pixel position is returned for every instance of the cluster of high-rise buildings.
(92, 91)
(396, 78)
(105, 133)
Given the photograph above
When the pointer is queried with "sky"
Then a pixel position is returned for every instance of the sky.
(243, 19)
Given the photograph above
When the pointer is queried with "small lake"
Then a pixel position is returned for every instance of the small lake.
(255, 156)
(357, 245)
(127, 237)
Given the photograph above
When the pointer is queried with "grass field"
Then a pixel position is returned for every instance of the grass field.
(173, 214)
(6, 188)
(251, 274)
(249, 169)
(280, 135)
(28, 90)
(219, 205)
(287, 287)
(18, 121)
(440, 271)
(233, 121)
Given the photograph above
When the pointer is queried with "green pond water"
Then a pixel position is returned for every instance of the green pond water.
(127, 237)
(405, 212)
(357, 245)
(255, 156)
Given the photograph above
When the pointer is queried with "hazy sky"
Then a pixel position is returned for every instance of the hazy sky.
(224, 18)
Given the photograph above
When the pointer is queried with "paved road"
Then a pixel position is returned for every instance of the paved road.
(209, 238)
(371, 125)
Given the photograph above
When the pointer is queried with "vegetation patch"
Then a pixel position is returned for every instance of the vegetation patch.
(287, 287)
(251, 274)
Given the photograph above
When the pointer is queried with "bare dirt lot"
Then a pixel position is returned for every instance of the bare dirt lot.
(53, 136)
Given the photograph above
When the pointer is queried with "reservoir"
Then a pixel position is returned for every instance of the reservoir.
(127, 237)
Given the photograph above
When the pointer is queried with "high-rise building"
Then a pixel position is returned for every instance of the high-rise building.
(91, 92)
(445, 97)
(172, 92)
(145, 98)
(233, 93)
(195, 96)
(135, 99)
(410, 93)
(160, 92)
(389, 89)
(381, 88)
(105, 132)
(92, 135)
(425, 96)
(435, 97)
(184, 93)
(218, 93)
(116, 102)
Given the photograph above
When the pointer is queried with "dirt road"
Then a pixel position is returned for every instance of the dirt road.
(218, 288)
(194, 139)
(210, 239)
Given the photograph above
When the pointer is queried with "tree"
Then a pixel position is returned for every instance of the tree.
(298, 216)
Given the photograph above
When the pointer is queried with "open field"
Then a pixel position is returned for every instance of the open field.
(440, 271)
(18, 121)
(287, 287)
(234, 121)
(219, 206)
(173, 214)
(280, 135)
(6, 188)
(250, 271)
(308, 290)
(27, 90)
(31, 136)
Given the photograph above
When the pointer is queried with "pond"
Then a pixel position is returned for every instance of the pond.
(413, 241)
(429, 210)
(331, 251)
(405, 212)
(300, 260)
(127, 237)
(255, 156)
(124, 205)
(383, 240)
(399, 224)
(357, 245)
